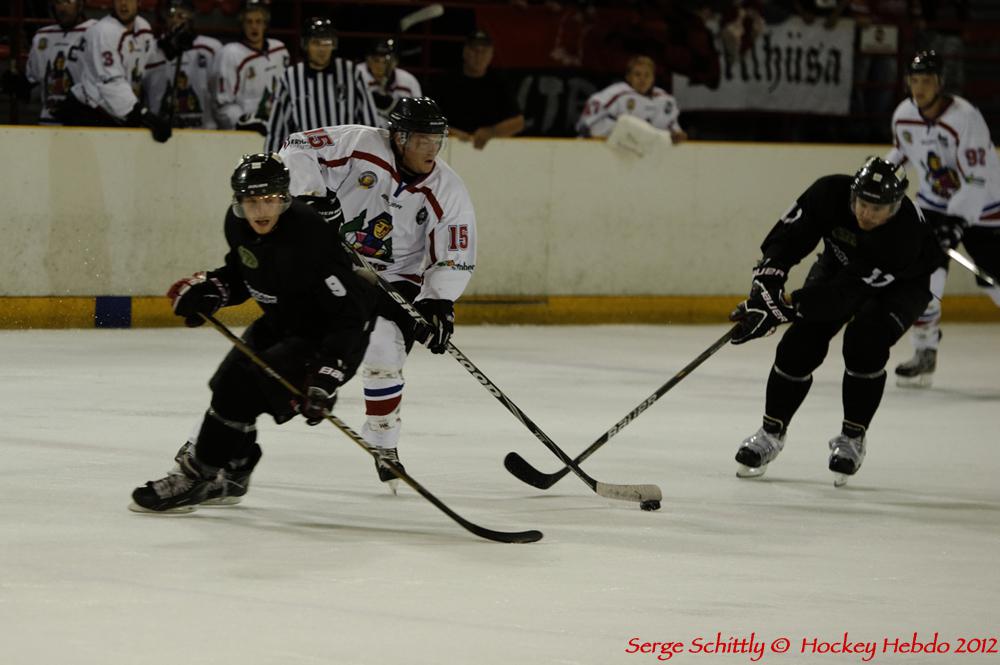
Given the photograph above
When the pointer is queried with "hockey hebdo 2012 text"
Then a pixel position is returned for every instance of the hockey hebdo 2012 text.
(756, 647)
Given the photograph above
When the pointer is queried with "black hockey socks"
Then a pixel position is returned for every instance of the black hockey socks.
(221, 440)
(862, 394)
(785, 394)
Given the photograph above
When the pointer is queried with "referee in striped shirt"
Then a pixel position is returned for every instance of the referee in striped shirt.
(321, 92)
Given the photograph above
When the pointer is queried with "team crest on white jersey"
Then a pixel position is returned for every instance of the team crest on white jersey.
(370, 238)
(42, 44)
(368, 179)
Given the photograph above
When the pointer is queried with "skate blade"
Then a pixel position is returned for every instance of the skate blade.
(743, 471)
(180, 510)
(919, 381)
(222, 501)
(840, 479)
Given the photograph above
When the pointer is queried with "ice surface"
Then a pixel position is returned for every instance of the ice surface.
(321, 565)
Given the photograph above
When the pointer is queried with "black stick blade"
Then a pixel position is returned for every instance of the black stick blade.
(521, 469)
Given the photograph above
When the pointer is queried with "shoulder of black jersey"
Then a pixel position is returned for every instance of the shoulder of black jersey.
(830, 185)
(305, 216)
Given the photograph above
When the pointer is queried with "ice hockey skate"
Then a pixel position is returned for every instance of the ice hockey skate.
(177, 492)
(384, 473)
(756, 452)
(918, 371)
(227, 489)
(846, 456)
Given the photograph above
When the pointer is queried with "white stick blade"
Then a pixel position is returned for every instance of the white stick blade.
(425, 14)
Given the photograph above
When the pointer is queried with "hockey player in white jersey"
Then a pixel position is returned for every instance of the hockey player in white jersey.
(410, 216)
(385, 80)
(248, 72)
(186, 94)
(948, 142)
(114, 52)
(53, 62)
(636, 95)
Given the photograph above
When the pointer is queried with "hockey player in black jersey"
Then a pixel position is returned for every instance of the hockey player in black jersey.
(873, 276)
(314, 330)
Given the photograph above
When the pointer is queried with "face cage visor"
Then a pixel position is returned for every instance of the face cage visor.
(439, 138)
(893, 207)
(285, 198)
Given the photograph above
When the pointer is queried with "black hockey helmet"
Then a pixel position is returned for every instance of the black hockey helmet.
(317, 27)
(385, 47)
(417, 114)
(181, 9)
(879, 181)
(262, 174)
(926, 62)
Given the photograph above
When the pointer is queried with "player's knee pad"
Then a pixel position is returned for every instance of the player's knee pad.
(386, 346)
(867, 342)
(801, 350)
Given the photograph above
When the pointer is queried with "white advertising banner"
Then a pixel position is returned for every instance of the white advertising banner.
(792, 67)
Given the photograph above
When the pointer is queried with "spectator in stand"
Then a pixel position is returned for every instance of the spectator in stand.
(828, 10)
(742, 21)
(185, 94)
(636, 95)
(478, 102)
(874, 68)
(53, 64)
(249, 71)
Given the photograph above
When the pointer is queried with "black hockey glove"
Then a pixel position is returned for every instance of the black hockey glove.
(159, 127)
(198, 294)
(321, 391)
(15, 83)
(249, 123)
(948, 229)
(327, 206)
(175, 42)
(761, 313)
(440, 316)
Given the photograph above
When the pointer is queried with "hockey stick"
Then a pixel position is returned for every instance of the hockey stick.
(518, 466)
(172, 109)
(499, 536)
(647, 495)
(423, 14)
(976, 270)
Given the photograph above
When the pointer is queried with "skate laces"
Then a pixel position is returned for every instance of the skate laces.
(172, 484)
(387, 454)
(766, 444)
(842, 443)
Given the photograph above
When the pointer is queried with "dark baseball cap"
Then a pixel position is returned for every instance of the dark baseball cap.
(479, 37)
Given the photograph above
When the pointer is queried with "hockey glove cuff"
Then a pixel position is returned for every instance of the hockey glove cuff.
(159, 127)
(249, 123)
(440, 317)
(327, 206)
(761, 313)
(321, 391)
(175, 42)
(198, 294)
